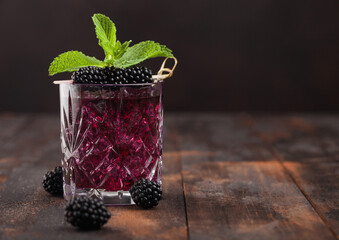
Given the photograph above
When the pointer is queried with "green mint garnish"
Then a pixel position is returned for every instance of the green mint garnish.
(116, 54)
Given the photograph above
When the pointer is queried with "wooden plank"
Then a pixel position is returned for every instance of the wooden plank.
(10, 124)
(24, 159)
(309, 151)
(299, 136)
(27, 212)
(235, 189)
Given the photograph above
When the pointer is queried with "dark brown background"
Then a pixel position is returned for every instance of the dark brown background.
(239, 55)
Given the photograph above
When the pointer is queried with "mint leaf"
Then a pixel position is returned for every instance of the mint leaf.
(106, 33)
(140, 52)
(119, 51)
(72, 61)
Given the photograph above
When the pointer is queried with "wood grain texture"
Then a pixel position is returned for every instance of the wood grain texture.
(28, 212)
(10, 124)
(246, 195)
(225, 177)
(25, 158)
(308, 148)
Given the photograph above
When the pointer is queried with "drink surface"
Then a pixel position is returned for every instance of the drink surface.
(115, 140)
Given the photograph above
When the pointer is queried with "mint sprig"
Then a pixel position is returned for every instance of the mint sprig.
(117, 54)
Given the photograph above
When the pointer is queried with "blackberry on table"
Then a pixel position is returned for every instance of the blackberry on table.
(110, 75)
(53, 182)
(146, 193)
(87, 213)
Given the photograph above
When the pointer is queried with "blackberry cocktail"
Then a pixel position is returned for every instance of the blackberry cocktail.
(111, 137)
(111, 117)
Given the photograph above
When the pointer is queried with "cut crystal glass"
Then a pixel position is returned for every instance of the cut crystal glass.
(111, 136)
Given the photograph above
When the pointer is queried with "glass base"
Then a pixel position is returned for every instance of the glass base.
(109, 198)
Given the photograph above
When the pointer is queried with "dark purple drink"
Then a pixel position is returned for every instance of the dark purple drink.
(111, 137)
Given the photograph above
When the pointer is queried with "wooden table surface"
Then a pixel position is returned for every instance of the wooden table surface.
(225, 176)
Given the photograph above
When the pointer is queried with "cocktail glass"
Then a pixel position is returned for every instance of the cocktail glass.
(111, 136)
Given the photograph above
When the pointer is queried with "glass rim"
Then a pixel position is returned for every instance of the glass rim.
(112, 85)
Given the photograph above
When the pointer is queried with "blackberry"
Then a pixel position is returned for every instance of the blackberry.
(110, 75)
(53, 182)
(86, 213)
(138, 74)
(146, 193)
(89, 75)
